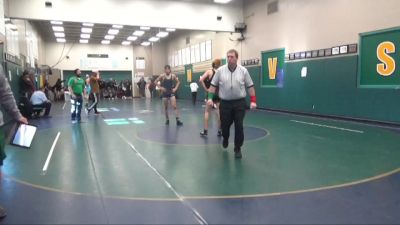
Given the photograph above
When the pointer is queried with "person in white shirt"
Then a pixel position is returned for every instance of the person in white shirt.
(39, 99)
(232, 80)
(194, 87)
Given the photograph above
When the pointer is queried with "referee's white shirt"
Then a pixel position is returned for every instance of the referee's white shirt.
(232, 85)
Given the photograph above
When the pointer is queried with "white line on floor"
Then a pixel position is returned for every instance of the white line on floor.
(327, 126)
(64, 105)
(197, 215)
(46, 164)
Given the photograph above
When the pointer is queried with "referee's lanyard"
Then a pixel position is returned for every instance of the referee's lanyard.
(231, 80)
(232, 75)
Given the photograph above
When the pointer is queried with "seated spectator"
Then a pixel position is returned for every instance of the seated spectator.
(39, 99)
(27, 84)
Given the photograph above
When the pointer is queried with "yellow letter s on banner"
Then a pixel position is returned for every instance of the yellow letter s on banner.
(388, 65)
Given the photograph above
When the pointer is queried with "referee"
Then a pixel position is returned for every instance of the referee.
(232, 81)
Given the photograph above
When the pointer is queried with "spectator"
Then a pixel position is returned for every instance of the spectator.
(95, 90)
(39, 100)
(58, 89)
(152, 87)
(194, 87)
(142, 85)
(76, 86)
(27, 84)
(7, 101)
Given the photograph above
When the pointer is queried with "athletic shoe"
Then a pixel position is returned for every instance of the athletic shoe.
(225, 143)
(97, 113)
(204, 133)
(167, 122)
(238, 153)
(179, 123)
(73, 121)
(219, 133)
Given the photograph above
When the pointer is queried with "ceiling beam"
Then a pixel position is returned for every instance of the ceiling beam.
(192, 15)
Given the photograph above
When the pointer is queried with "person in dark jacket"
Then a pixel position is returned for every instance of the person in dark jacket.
(8, 103)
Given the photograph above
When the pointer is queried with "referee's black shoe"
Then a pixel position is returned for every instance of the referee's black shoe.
(225, 143)
(238, 153)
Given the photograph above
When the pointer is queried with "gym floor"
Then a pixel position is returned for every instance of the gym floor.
(127, 166)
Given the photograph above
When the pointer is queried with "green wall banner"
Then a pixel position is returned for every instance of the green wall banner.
(223, 61)
(189, 72)
(272, 65)
(329, 89)
(378, 59)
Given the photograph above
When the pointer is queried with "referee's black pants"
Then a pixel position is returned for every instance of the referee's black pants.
(233, 111)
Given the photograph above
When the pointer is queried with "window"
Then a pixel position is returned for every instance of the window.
(183, 56)
(192, 54)
(187, 54)
(197, 50)
(202, 51)
(208, 50)
(180, 57)
(171, 60)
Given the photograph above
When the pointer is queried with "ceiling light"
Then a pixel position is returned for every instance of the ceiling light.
(138, 33)
(83, 41)
(59, 35)
(61, 40)
(88, 24)
(58, 28)
(105, 42)
(132, 38)
(126, 43)
(109, 37)
(56, 22)
(154, 39)
(145, 28)
(85, 36)
(86, 30)
(146, 43)
(222, 1)
(117, 26)
(162, 34)
(113, 31)
(170, 29)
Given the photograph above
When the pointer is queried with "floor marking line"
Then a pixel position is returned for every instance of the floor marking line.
(181, 198)
(96, 177)
(64, 105)
(337, 186)
(327, 126)
(262, 195)
(202, 145)
(46, 164)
